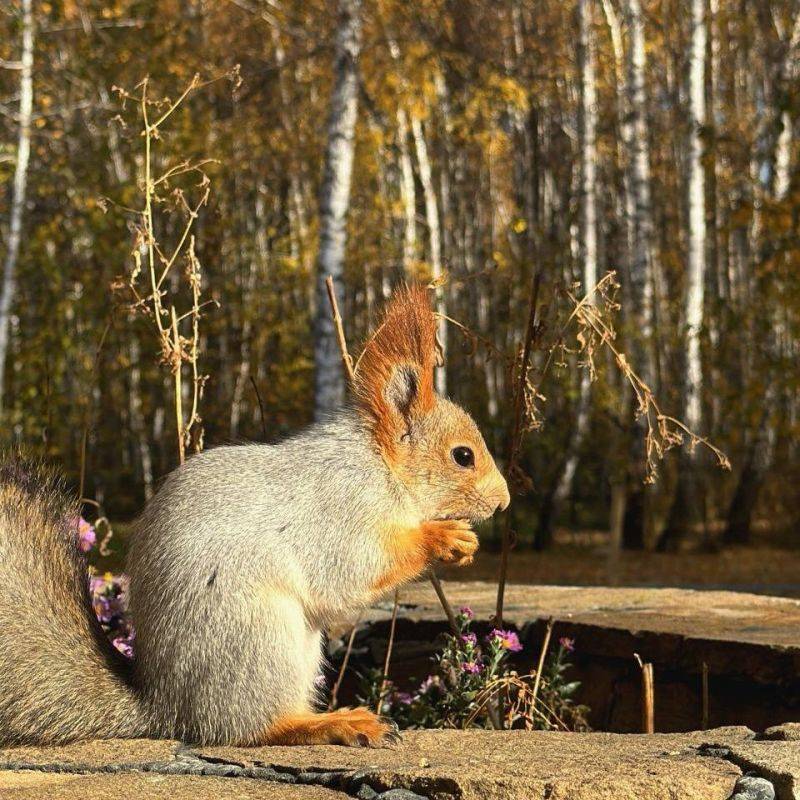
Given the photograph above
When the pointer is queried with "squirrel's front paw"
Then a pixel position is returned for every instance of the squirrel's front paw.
(452, 541)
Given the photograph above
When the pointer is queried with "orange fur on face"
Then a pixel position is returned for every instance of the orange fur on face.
(405, 338)
(416, 431)
(347, 726)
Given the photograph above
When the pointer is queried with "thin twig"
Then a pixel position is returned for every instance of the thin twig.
(337, 321)
(343, 668)
(514, 440)
(389, 646)
(178, 389)
(260, 407)
(705, 720)
(540, 666)
(448, 609)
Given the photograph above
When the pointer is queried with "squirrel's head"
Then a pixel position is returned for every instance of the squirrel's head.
(432, 445)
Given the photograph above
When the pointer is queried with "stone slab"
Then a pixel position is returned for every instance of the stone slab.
(146, 786)
(713, 615)
(92, 756)
(438, 765)
(504, 765)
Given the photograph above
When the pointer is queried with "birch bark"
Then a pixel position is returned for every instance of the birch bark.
(696, 257)
(19, 187)
(688, 493)
(407, 194)
(334, 201)
(588, 234)
(434, 240)
(642, 266)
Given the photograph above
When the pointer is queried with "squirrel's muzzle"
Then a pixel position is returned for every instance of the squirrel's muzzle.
(495, 490)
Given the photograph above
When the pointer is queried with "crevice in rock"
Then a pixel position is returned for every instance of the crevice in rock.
(782, 784)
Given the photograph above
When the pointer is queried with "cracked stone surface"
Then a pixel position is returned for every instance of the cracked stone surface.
(440, 765)
(776, 760)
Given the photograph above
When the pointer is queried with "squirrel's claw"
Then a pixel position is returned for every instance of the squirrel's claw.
(392, 736)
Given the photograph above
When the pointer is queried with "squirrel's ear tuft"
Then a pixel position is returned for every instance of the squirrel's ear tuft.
(394, 377)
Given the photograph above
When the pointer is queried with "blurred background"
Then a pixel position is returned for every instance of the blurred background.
(485, 147)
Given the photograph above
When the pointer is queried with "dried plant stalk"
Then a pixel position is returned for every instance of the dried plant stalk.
(334, 699)
(542, 654)
(337, 323)
(389, 647)
(150, 259)
(515, 439)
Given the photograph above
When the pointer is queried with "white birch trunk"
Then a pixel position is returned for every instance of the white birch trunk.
(783, 145)
(697, 219)
(407, 194)
(588, 144)
(9, 286)
(642, 262)
(783, 157)
(334, 200)
(434, 240)
(588, 232)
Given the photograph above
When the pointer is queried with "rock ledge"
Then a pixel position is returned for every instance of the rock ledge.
(439, 765)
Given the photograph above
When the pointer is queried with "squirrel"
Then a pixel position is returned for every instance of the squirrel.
(243, 557)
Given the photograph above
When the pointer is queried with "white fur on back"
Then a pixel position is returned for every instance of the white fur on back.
(243, 557)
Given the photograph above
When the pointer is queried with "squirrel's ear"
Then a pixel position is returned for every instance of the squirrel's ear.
(403, 389)
(394, 376)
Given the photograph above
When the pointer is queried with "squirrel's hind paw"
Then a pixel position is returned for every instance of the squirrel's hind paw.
(352, 727)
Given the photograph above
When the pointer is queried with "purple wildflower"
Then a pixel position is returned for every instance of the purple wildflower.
(506, 640)
(466, 612)
(469, 639)
(404, 698)
(567, 643)
(431, 682)
(124, 644)
(471, 667)
(87, 537)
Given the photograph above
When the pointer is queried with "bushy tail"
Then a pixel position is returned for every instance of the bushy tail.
(60, 678)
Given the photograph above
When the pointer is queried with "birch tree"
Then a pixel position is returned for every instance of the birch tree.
(640, 279)
(588, 242)
(642, 267)
(19, 186)
(434, 240)
(696, 256)
(684, 508)
(762, 442)
(334, 200)
(407, 194)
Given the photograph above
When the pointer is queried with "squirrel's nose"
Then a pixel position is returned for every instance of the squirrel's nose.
(505, 498)
(498, 491)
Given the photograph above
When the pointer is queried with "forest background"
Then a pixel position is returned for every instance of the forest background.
(482, 147)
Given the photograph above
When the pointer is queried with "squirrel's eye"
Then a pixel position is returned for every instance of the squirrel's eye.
(463, 456)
